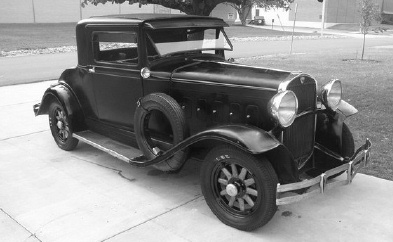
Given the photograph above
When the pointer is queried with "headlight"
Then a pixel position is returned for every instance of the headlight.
(283, 107)
(331, 94)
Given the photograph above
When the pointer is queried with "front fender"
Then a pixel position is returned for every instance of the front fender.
(62, 94)
(330, 123)
(250, 139)
(247, 138)
(346, 109)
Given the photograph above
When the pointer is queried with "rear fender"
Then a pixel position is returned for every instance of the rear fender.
(62, 94)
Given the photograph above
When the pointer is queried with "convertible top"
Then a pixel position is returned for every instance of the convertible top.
(157, 21)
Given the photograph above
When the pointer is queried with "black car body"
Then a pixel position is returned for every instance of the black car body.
(161, 83)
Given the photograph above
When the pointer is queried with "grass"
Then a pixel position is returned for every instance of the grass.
(46, 35)
(355, 27)
(368, 85)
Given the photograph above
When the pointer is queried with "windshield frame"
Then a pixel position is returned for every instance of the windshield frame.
(171, 48)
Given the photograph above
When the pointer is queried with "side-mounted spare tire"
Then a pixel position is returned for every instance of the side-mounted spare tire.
(159, 109)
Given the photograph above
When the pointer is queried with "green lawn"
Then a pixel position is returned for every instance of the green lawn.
(46, 35)
(368, 85)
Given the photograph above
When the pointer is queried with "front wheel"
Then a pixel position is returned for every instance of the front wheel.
(60, 127)
(239, 188)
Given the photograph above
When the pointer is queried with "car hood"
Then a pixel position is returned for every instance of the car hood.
(232, 74)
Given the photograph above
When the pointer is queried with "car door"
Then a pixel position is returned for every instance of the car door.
(115, 74)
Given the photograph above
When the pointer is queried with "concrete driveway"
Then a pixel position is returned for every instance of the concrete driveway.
(47, 194)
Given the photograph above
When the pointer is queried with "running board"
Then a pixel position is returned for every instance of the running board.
(116, 149)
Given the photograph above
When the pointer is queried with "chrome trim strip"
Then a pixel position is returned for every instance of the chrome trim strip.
(328, 152)
(284, 84)
(256, 67)
(288, 193)
(221, 84)
(106, 150)
(305, 113)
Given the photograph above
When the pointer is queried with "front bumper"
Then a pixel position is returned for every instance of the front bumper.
(36, 107)
(288, 193)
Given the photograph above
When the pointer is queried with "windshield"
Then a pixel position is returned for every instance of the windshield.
(201, 40)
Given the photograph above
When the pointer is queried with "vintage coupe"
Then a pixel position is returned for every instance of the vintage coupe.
(161, 84)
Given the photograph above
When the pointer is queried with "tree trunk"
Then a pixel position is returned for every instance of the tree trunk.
(243, 14)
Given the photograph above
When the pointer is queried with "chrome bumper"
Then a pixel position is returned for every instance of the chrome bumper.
(286, 193)
(36, 107)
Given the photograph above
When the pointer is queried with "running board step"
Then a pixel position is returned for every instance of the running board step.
(116, 149)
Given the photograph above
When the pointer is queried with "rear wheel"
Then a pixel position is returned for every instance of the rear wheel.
(239, 188)
(60, 126)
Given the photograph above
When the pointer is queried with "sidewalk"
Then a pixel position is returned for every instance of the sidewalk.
(328, 31)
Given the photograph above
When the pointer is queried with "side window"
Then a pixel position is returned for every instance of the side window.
(115, 47)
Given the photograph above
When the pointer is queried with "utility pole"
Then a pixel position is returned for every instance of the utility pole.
(32, 4)
(80, 9)
(323, 16)
(293, 29)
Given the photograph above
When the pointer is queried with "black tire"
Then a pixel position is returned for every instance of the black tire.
(347, 147)
(253, 203)
(348, 144)
(61, 128)
(172, 111)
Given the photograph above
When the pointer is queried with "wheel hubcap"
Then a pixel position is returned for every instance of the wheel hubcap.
(231, 189)
(62, 125)
(237, 191)
(59, 125)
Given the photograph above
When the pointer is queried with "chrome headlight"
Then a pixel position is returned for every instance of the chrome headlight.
(331, 94)
(283, 107)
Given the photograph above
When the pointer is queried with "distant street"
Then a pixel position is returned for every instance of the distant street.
(27, 69)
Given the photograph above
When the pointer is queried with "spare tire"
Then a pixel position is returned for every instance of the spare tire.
(163, 108)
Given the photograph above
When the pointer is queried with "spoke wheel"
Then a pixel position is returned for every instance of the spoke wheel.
(61, 129)
(235, 186)
(239, 188)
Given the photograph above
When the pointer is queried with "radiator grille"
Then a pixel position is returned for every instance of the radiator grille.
(299, 137)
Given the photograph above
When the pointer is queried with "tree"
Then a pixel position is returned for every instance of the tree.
(198, 7)
(369, 11)
(243, 7)
(192, 7)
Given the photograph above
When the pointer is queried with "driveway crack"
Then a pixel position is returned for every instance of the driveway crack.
(31, 234)
(157, 216)
(23, 135)
(119, 172)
